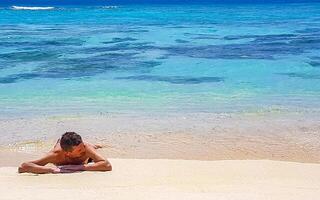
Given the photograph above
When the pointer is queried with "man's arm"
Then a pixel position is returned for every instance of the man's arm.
(100, 163)
(38, 166)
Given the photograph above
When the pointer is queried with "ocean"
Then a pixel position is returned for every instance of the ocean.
(209, 58)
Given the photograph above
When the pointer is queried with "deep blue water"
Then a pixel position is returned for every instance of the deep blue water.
(205, 58)
(118, 2)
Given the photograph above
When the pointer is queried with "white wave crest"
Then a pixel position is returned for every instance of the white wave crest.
(31, 8)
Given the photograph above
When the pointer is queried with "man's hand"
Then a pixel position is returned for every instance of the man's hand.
(56, 170)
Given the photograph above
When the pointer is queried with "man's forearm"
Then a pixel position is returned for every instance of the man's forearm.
(34, 168)
(98, 166)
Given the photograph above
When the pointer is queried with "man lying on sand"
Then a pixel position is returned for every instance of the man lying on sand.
(70, 154)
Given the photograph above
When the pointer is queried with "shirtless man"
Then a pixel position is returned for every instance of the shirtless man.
(70, 154)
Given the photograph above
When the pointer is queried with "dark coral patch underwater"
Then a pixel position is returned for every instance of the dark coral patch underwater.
(175, 79)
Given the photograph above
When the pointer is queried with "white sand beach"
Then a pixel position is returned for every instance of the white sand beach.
(190, 157)
(171, 179)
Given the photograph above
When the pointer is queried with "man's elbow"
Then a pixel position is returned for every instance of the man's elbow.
(107, 166)
(24, 167)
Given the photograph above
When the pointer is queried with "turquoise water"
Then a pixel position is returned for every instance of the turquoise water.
(171, 58)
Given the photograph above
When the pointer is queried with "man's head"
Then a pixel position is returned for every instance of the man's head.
(72, 144)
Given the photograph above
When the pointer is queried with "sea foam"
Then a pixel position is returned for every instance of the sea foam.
(31, 8)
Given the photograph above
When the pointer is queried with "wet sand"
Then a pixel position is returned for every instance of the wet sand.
(195, 136)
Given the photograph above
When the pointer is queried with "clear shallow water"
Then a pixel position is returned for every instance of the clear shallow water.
(176, 58)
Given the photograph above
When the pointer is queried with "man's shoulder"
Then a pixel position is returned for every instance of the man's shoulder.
(88, 145)
(89, 149)
(55, 152)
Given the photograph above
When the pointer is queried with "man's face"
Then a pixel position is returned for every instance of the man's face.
(77, 151)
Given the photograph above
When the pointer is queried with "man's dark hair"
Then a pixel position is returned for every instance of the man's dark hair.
(69, 140)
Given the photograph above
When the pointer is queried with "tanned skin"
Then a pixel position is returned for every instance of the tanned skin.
(68, 161)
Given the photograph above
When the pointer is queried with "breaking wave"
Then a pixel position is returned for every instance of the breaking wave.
(31, 8)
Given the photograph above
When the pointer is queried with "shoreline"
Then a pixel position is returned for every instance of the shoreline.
(197, 136)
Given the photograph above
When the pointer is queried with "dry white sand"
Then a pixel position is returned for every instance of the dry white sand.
(171, 179)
